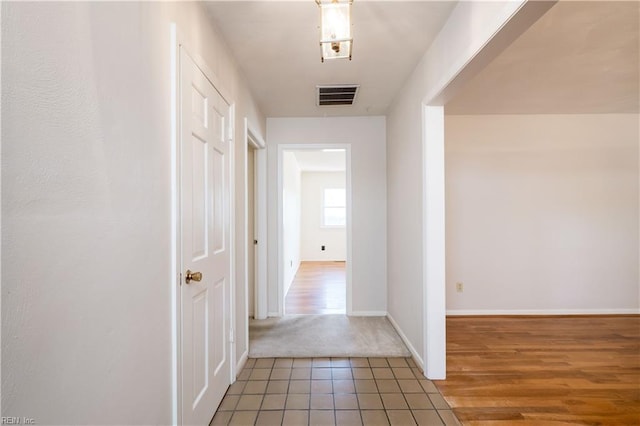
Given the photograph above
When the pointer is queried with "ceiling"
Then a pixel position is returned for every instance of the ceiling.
(580, 57)
(276, 44)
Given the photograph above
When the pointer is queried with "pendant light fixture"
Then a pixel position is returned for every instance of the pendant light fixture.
(336, 40)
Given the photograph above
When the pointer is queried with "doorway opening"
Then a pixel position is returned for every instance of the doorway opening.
(314, 276)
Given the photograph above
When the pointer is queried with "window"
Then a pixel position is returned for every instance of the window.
(334, 207)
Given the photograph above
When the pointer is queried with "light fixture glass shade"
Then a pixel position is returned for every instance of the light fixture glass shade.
(336, 40)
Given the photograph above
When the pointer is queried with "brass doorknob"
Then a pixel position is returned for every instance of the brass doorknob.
(193, 276)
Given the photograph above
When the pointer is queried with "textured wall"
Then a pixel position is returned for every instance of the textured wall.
(86, 202)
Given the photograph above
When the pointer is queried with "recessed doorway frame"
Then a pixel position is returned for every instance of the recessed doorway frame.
(280, 273)
(255, 141)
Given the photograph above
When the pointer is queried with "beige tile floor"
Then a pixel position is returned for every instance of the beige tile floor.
(333, 391)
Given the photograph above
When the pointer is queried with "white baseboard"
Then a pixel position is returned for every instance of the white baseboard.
(416, 356)
(368, 314)
(293, 277)
(242, 362)
(463, 312)
(352, 314)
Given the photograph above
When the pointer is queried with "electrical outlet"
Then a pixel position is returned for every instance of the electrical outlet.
(459, 287)
(322, 248)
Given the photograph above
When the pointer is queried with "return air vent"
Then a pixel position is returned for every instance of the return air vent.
(342, 94)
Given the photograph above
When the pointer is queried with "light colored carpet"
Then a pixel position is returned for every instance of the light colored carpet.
(324, 336)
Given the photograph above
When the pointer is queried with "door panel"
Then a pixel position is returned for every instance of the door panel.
(220, 345)
(218, 201)
(204, 189)
(200, 346)
(199, 172)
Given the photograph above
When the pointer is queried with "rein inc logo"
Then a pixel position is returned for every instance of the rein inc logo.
(17, 421)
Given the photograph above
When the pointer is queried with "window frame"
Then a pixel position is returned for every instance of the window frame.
(324, 206)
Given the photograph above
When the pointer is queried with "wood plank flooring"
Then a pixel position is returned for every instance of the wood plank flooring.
(318, 288)
(543, 370)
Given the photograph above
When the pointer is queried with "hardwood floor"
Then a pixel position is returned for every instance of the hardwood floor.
(318, 288)
(543, 370)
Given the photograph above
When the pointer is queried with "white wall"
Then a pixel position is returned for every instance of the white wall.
(542, 213)
(366, 136)
(314, 235)
(463, 44)
(405, 220)
(86, 202)
(291, 211)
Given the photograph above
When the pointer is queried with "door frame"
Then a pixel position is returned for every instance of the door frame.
(178, 42)
(280, 272)
(433, 242)
(253, 139)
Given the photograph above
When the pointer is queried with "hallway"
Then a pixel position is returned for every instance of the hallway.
(319, 288)
(315, 321)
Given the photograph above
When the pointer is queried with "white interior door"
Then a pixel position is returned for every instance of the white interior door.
(205, 292)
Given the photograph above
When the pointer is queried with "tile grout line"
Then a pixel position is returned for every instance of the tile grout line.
(334, 366)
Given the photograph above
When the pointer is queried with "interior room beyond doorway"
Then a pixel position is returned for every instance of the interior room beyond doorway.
(314, 234)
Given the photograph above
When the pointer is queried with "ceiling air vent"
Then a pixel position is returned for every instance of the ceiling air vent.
(341, 94)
